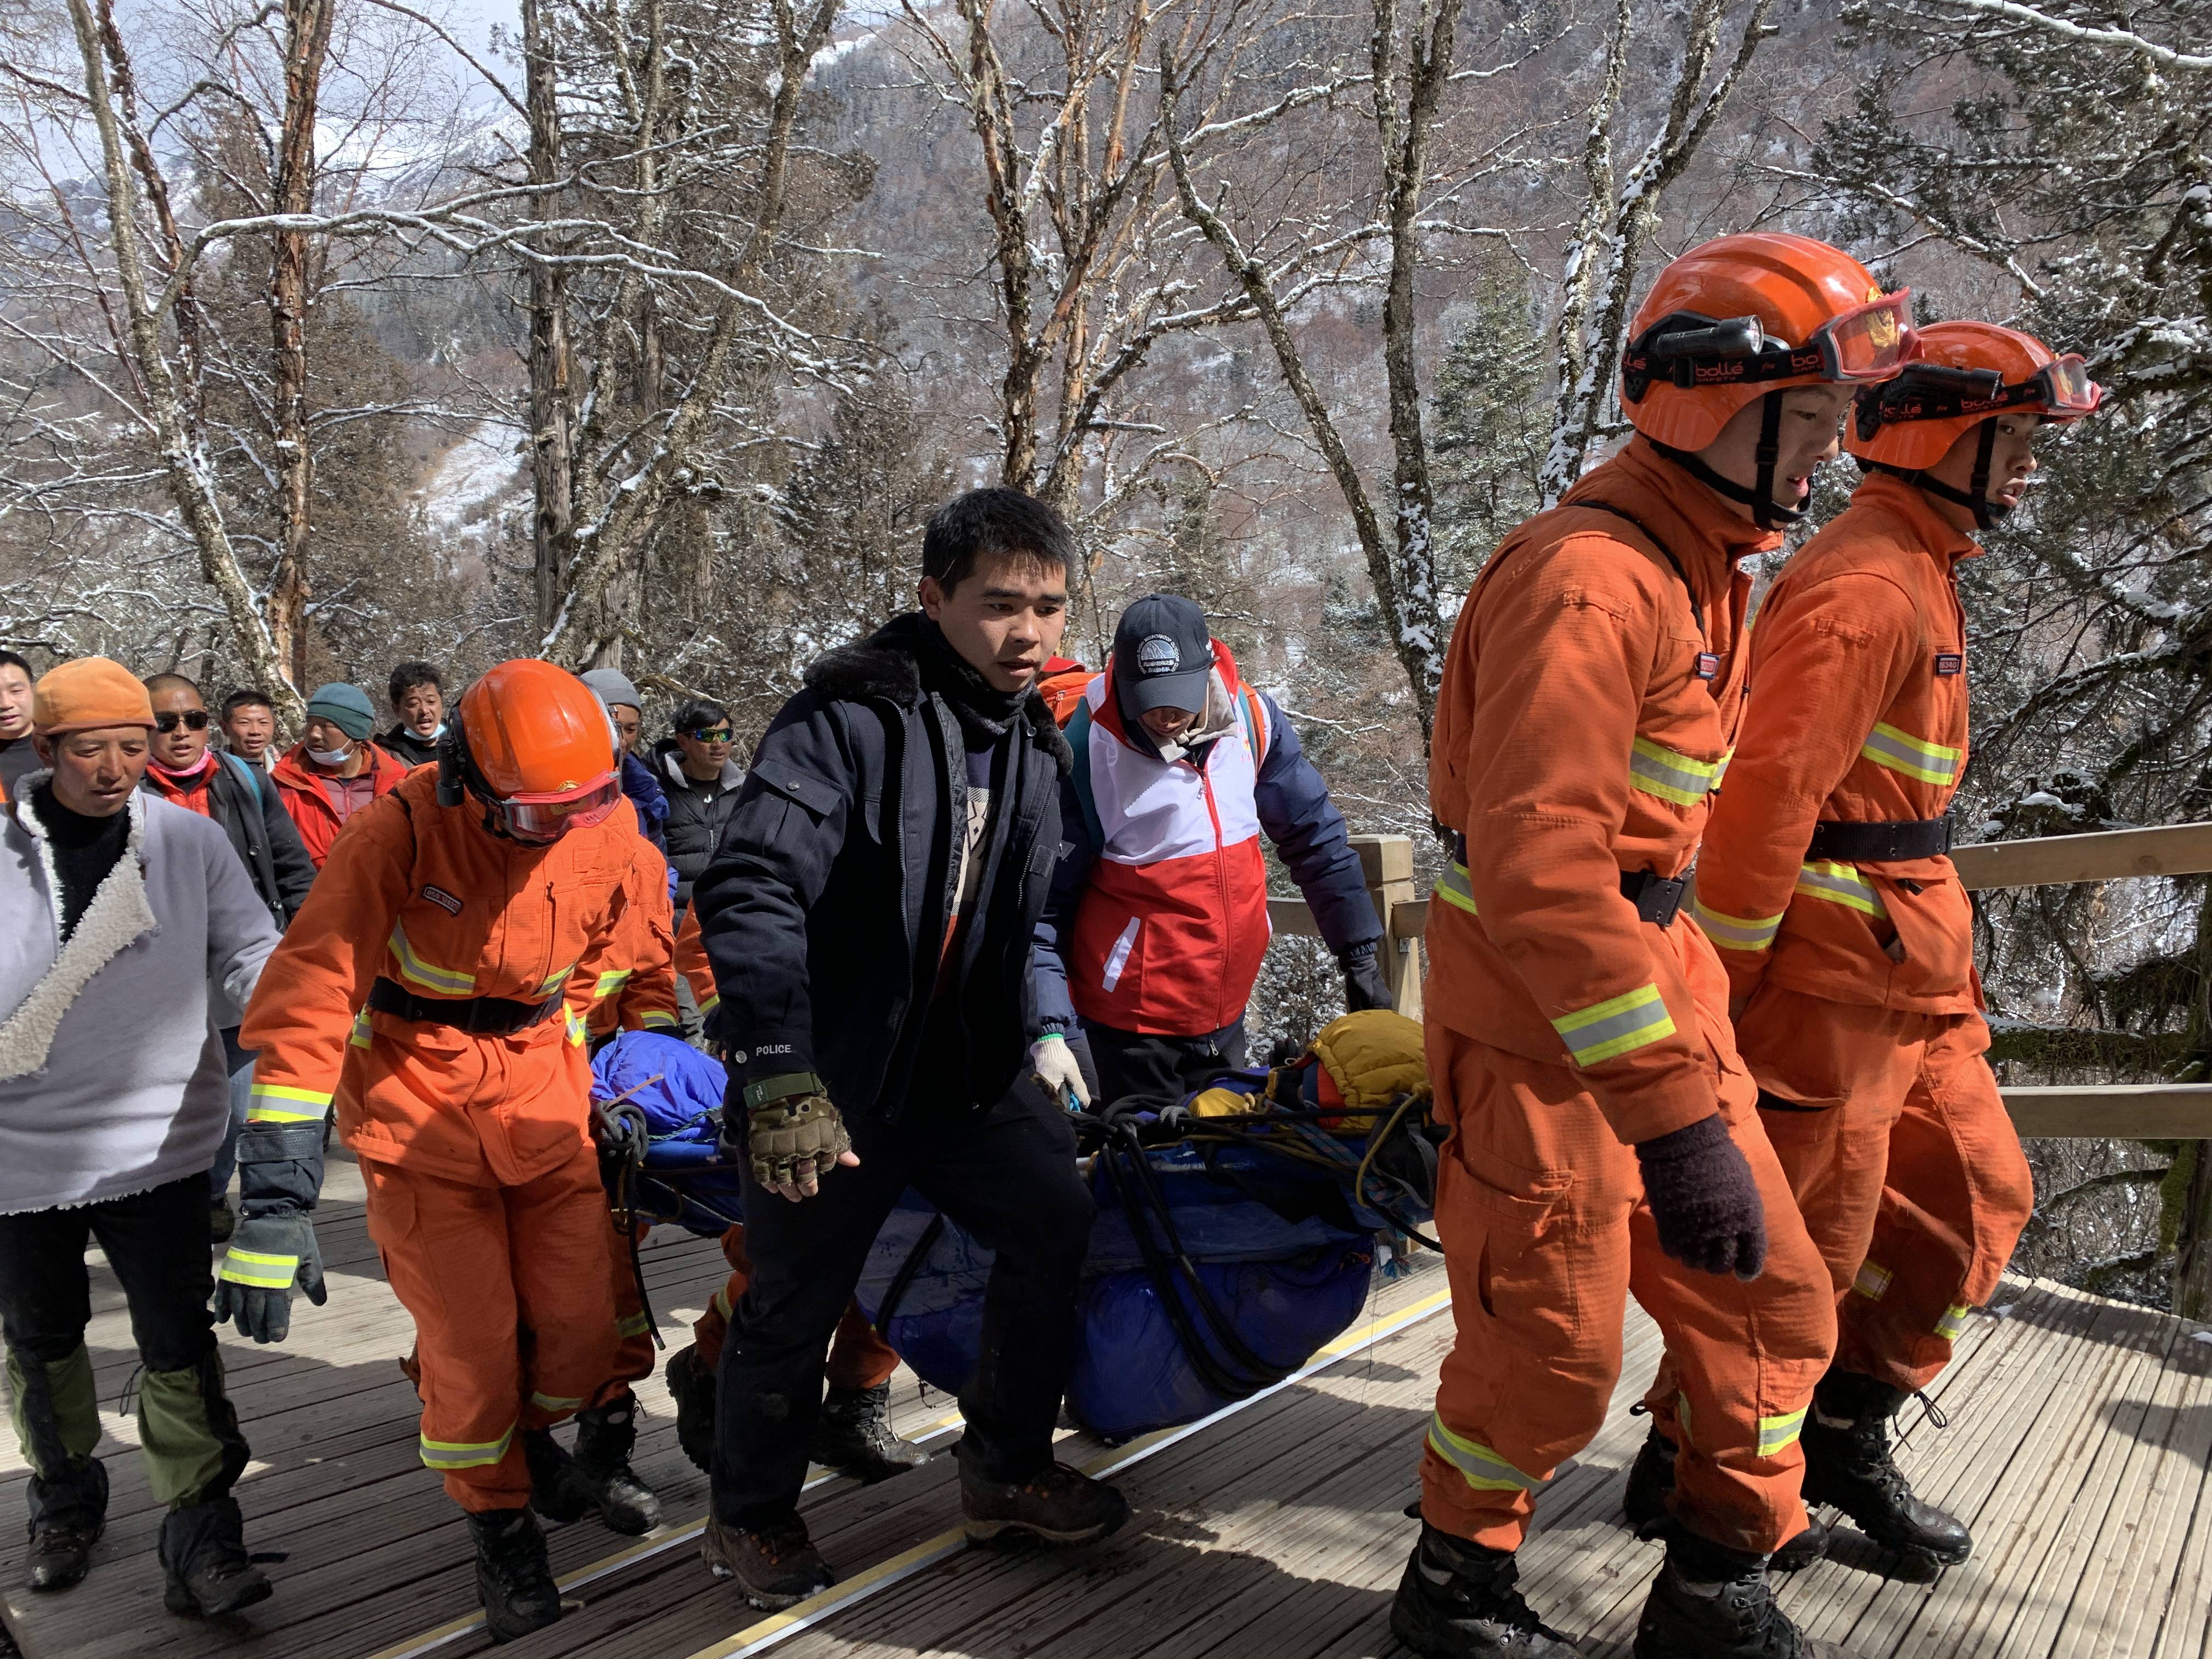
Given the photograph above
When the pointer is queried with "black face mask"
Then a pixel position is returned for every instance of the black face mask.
(1765, 512)
(984, 711)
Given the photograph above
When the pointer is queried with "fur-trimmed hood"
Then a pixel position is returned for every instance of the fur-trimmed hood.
(883, 668)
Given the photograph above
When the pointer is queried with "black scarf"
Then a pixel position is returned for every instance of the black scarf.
(985, 713)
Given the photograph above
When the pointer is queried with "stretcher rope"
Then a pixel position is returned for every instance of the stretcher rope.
(839, 1597)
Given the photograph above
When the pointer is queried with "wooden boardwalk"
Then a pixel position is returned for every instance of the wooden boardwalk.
(2080, 1433)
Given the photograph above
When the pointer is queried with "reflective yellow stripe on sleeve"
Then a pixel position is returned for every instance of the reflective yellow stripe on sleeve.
(1616, 1025)
(1953, 1324)
(464, 1455)
(1670, 774)
(635, 1324)
(1840, 884)
(277, 1102)
(1736, 932)
(1900, 751)
(1872, 1282)
(610, 982)
(362, 1033)
(554, 979)
(579, 1027)
(429, 976)
(1480, 1467)
(653, 1019)
(1453, 888)
(554, 1402)
(710, 1005)
(267, 1273)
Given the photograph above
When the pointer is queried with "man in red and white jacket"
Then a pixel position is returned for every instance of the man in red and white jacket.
(1158, 917)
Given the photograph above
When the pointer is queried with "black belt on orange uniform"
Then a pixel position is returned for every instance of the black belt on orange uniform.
(1657, 898)
(477, 1015)
(1878, 843)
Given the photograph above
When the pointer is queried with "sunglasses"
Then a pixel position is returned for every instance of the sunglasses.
(194, 719)
(710, 733)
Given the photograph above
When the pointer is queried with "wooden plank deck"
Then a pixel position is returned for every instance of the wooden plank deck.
(2079, 1445)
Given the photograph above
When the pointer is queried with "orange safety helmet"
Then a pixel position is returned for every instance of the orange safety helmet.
(1744, 318)
(535, 744)
(1969, 374)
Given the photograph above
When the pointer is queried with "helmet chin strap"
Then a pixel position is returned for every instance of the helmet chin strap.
(1765, 512)
(1975, 497)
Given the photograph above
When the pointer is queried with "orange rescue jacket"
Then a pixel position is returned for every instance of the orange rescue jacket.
(636, 991)
(424, 895)
(691, 963)
(1588, 706)
(1858, 714)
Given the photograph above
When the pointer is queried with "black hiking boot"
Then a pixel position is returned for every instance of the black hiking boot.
(774, 1564)
(1708, 1602)
(558, 1491)
(1059, 1506)
(514, 1577)
(854, 1436)
(692, 1387)
(204, 1556)
(1848, 1464)
(1457, 1601)
(1651, 1483)
(67, 1517)
(604, 1438)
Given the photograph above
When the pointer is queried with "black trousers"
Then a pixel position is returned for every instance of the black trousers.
(1008, 1178)
(1161, 1070)
(157, 1241)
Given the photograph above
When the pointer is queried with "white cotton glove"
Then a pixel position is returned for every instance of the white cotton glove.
(1052, 1063)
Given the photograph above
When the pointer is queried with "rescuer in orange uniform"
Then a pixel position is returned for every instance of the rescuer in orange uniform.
(853, 1433)
(1846, 936)
(1604, 1137)
(467, 916)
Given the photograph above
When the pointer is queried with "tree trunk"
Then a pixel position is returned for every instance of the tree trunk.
(306, 44)
(552, 402)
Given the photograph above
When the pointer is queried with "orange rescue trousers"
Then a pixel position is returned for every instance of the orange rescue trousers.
(1545, 1233)
(859, 1357)
(476, 1264)
(1906, 1167)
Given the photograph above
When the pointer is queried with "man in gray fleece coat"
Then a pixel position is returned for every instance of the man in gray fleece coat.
(129, 935)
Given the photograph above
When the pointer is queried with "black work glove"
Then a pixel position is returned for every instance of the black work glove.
(1364, 986)
(270, 1257)
(1703, 1198)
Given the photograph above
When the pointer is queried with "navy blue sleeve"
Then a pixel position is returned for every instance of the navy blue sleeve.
(1308, 830)
(646, 794)
(1055, 928)
(288, 854)
(772, 865)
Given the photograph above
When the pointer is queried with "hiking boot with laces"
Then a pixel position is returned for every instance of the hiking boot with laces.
(1059, 1505)
(1848, 1464)
(854, 1436)
(691, 1385)
(558, 1492)
(774, 1564)
(1708, 1602)
(606, 1436)
(203, 1558)
(514, 1577)
(1651, 1483)
(68, 1515)
(1459, 1600)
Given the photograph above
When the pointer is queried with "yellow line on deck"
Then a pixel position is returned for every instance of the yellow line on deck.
(778, 1627)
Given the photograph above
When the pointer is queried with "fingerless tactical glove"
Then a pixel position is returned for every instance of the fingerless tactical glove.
(791, 1131)
(1703, 1198)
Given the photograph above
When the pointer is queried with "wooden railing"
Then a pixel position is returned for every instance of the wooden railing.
(2174, 1111)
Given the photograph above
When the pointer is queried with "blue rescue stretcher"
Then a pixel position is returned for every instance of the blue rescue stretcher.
(1228, 1248)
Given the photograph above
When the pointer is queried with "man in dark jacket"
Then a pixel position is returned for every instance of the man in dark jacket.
(869, 918)
(417, 696)
(618, 696)
(183, 769)
(701, 776)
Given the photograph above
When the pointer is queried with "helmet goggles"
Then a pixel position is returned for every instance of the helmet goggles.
(1872, 341)
(541, 819)
(2061, 389)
